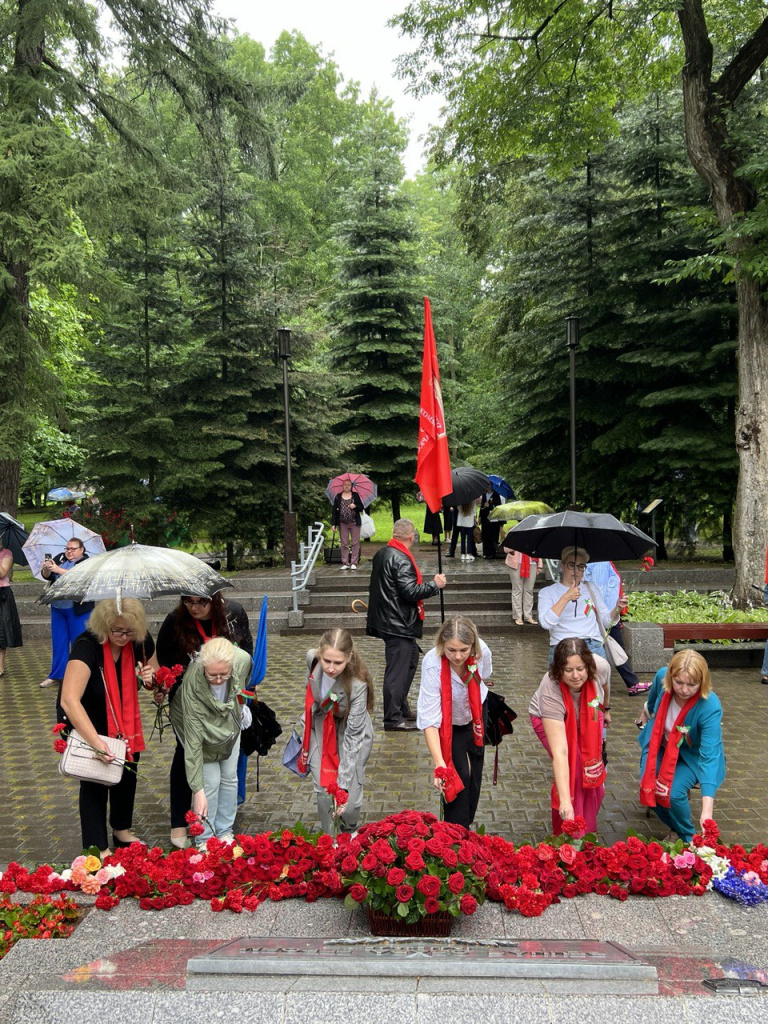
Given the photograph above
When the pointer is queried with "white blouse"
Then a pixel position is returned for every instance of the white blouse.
(429, 709)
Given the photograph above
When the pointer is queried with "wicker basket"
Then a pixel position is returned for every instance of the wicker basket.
(434, 925)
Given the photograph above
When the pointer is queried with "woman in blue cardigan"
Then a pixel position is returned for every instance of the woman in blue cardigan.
(681, 742)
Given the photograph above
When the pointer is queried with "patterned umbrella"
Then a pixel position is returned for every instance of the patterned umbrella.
(136, 571)
(361, 483)
(13, 536)
(50, 538)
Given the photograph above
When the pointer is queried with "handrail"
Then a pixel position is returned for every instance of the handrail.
(300, 572)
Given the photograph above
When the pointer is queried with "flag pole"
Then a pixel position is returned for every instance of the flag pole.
(440, 569)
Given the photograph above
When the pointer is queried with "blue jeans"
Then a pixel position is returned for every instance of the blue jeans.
(764, 670)
(596, 646)
(220, 785)
(678, 815)
(65, 626)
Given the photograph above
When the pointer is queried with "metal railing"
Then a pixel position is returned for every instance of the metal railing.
(300, 571)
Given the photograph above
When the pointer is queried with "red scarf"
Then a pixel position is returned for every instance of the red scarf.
(204, 636)
(329, 758)
(124, 699)
(587, 736)
(656, 789)
(525, 566)
(399, 546)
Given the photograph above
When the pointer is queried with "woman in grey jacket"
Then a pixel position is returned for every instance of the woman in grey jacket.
(207, 718)
(338, 731)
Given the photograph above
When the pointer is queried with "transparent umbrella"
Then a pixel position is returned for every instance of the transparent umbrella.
(50, 537)
(138, 570)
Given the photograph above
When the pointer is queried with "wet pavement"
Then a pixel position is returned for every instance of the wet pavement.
(40, 806)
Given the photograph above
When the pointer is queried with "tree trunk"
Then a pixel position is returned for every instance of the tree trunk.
(750, 528)
(9, 485)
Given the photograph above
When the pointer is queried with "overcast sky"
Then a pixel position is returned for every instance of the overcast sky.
(355, 33)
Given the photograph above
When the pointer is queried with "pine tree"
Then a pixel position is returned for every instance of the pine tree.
(376, 349)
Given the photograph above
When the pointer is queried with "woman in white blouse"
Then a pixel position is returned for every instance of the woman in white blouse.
(451, 712)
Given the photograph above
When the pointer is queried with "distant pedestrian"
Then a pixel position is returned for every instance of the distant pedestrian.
(523, 571)
(463, 529)
(451, 712)
(338, 731)
(68, 618)
(10, 626)
(346, 517)
(396, 614)
(489, 528)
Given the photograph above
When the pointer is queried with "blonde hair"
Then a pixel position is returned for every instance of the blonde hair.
(341, 640)
(579, 553)
(105, 615)
(696, 667)
(217, 649)
(460, 628)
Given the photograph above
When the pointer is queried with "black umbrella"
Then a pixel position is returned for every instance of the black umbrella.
(601, 535)
(468, 484)
(12, 536)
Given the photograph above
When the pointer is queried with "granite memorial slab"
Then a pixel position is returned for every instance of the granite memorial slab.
(586, 960)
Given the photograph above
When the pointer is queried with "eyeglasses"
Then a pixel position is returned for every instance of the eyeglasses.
(121, 632)
(72, 549)
(575, 566)
(221, 676)
(195, 602)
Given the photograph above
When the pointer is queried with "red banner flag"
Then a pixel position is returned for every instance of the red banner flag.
(433, 461)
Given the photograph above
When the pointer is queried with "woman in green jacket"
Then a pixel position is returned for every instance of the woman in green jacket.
(207, 719)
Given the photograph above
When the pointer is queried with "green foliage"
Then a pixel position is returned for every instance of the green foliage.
(690, 606)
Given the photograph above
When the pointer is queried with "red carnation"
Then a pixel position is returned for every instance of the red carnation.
(59, 727)
(403, 893)
(59, 745)
(576, 827)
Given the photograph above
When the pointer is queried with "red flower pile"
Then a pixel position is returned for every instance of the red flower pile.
(411, 864)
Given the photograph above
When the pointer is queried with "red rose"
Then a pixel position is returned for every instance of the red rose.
(468, 904)
(395, 876)
(450, 858)
(567, 853)
(369, 862)
(431, 905)
(403, 893)
(358, 893)
(429, 885)
(414, 862)
(456, 882)
(348, 865)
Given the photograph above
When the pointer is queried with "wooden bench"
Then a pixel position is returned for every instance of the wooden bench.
(674, 631)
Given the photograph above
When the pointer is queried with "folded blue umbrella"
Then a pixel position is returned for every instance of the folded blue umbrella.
(258, 673)
(501, 487)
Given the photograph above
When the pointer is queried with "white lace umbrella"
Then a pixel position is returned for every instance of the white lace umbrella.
(51, 536)
(136, 571)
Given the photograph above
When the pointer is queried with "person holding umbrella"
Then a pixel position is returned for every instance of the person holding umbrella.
(68, 618)
(346, 518)
(568, 610)
(10, 625)
(489, 528)
(192, 623)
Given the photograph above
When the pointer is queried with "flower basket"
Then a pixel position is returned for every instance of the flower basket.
(434, 925)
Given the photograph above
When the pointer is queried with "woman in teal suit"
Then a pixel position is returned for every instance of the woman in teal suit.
(681, 742)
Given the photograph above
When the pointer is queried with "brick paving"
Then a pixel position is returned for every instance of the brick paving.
(40, 807)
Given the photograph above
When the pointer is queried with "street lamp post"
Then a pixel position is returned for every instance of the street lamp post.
(289, 517)
(572, 343)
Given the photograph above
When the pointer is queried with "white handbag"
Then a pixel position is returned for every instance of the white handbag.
(614, 652)
(80, 760)
(367, 526)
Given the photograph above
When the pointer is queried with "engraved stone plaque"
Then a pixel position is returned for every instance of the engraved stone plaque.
(389, 957)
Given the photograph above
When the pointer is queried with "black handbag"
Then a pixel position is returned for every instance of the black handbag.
(500, 723)
(263, 731)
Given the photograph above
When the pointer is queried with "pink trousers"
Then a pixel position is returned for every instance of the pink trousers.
(586, 802)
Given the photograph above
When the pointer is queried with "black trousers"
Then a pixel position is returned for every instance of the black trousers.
(468, 760)
(401, 654)
(625, 670)
(93, 807)
(181, 794)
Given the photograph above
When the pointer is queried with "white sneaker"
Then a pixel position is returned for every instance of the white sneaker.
(344, 567)
(353, 567)
(470, 558)
(463, 558)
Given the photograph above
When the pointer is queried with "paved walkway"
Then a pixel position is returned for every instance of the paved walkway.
(40, 807)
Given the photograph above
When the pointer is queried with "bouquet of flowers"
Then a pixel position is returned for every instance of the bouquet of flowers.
(161, 685)
(410, 865)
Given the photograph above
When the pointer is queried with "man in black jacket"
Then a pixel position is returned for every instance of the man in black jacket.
(396, 615)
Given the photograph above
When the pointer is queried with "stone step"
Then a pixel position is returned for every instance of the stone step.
(163, 605)
(498, 621)
(247, 585)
